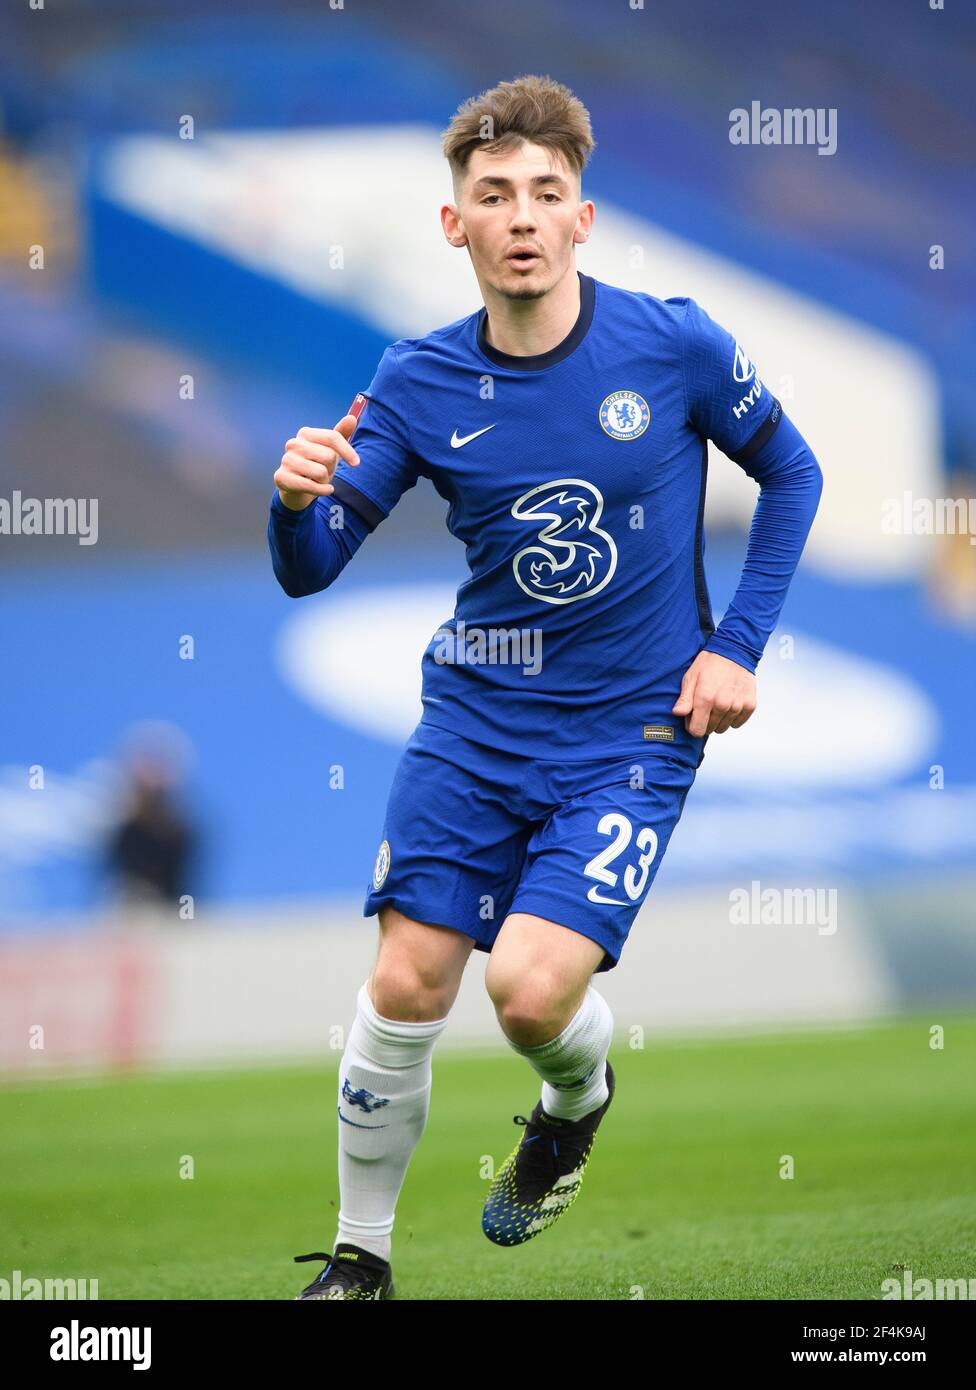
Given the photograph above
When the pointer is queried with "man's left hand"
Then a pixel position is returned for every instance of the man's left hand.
(716, 694)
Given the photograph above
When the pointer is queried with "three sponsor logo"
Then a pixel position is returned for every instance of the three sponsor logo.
(571, 557)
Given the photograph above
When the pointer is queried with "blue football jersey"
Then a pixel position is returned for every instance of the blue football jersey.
(576, 480)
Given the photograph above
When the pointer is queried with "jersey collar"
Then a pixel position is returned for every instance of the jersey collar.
(544, 359)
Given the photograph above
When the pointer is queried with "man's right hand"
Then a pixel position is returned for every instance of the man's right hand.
(309, 461)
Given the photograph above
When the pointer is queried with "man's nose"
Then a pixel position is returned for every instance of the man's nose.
(523, 214)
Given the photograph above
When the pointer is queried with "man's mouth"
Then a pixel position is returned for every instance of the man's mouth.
(524, 257)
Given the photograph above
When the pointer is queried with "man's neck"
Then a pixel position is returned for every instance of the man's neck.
(528, 327)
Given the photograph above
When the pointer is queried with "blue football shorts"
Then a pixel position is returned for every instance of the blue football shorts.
(472, 834)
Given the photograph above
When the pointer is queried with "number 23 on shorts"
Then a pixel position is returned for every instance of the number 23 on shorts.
(634, 879)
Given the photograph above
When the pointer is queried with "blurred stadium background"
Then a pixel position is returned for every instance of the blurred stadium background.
(198, 299)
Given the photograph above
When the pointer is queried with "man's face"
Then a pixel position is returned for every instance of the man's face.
(519, 213)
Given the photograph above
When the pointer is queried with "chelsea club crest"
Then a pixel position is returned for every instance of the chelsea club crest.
(625, 415)
(382, 866)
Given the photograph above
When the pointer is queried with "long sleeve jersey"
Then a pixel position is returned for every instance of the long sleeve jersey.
(576, 481)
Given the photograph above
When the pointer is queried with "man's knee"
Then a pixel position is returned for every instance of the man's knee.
(400, 991)
(417, 972)
(530, 1008)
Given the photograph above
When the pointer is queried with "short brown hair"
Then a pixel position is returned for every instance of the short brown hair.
(537, 109)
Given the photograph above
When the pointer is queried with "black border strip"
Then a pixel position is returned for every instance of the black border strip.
(350, 496)
(701, 583)
(764, 433)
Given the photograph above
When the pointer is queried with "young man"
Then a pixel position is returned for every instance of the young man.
(566, 425)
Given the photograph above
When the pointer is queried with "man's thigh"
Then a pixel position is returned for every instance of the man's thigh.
(453, 843)
(590, 864)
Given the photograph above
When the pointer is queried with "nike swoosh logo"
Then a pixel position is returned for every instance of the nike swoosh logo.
(457, 443)
(595, 897)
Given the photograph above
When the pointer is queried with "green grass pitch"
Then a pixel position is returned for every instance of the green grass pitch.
(682, 1199)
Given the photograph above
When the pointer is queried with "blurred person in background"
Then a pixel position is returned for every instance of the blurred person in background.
(153, 847)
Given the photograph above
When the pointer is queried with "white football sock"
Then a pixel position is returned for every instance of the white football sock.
(573, 1065)
(384, 1096)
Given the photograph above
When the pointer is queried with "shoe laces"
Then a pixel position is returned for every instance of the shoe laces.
(543, 1155)
(340, 1271)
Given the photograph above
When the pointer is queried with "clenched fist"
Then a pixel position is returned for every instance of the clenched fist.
(716, 694)
(309, 461)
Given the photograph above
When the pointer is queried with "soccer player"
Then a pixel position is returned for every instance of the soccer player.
(568, 701)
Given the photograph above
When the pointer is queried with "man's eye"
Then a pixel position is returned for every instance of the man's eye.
(490, 196)
(552, 195)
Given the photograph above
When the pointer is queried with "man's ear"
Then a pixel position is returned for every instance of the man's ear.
(582, 233)
(452, 225)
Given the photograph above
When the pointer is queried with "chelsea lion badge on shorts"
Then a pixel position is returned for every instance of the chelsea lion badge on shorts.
(625, 415)
(382, 866)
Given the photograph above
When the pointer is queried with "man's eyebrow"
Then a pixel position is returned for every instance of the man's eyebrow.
(496, 181)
